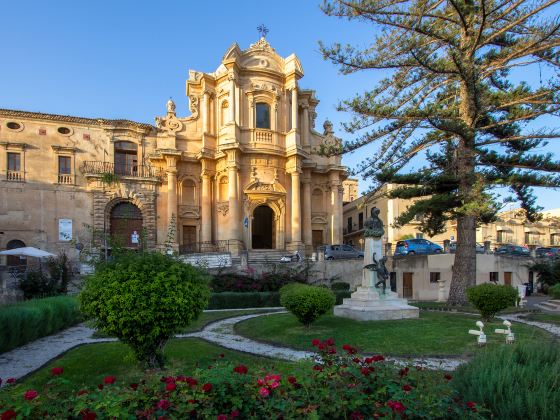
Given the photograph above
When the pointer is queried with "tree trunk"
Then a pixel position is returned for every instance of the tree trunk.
(464, 267)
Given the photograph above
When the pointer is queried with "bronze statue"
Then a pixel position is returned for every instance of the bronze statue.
(374, 225)
(381, 270)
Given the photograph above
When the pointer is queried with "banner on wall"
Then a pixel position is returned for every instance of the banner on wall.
(64, 230)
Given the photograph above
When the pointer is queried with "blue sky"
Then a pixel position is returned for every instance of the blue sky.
(124, 59)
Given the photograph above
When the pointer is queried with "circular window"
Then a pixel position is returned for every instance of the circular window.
(64, 130)
(13, 125)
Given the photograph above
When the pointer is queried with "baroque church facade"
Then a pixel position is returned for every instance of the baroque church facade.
(241, 172)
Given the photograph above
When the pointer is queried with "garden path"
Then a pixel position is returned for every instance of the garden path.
(26, 359)
(551, 328)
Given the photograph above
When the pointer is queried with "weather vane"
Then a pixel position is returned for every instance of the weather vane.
(263, 30)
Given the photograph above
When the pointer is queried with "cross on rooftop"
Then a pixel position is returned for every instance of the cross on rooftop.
(263, 30)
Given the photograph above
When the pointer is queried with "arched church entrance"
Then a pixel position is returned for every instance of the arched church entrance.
(262, 229)
(126, 224)
(14, 260)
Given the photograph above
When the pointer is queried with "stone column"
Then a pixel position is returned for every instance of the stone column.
(234, 205)
(336, 201)
(294, 109)
(307, 236)
(206, 208)
(172, 198)
(206, 112)
(305, 127)
(296, 209)
(231, 79)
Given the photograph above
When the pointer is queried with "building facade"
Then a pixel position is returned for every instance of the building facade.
(241, 172)
(511, 227)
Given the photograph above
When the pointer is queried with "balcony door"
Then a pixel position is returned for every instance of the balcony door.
(126, 158)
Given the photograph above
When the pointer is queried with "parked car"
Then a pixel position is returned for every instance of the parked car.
(336, 252)
(417, 246)
(513, 250)
(479, 248)
(543, 252)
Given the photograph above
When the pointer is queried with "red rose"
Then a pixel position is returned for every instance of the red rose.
(163, 404)
(332, 350)
(378, 358)
(471, 404)
(170, 386)
(221, 417)
(100, 386)
(9, 415)
(55, 371)
(315, 342)
(396, 406)
(108, 380)
(292, 379)
(318, 368)
(330, 342)
(264, 392)
(448, 377)
(407, 388)
(87, 414)
(403, 372)
(134, 386)
(241, 369)
(191, 381)
(357, 360)
(234, 413)
(222, 355)
(365, 371)
(349, 349)
(207, 387)
(82, 392)
(11, 380)
(30, 394)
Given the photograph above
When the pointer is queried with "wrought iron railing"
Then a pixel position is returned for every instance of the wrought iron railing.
(211, 246)
(142, 171)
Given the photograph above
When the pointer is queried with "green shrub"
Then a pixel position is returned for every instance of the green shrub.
(515, 382)
(554, 291)
(306, 302)
(143, 299)
(490, 299)
(340, 285)
(23, 322)
(53, 281)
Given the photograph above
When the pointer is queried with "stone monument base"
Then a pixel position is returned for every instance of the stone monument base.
(367, 304)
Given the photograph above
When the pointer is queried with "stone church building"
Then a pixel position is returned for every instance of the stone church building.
(241, 172)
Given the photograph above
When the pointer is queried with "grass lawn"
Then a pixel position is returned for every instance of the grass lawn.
(87, 365)
(434, 333)
(550, 318)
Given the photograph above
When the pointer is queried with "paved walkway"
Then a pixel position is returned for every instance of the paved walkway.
(30, 357)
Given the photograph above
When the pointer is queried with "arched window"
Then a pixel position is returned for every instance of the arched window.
(126, 224)
(263, 115)
(189, 192)
(224, 113)
(317, 201)
(14, 260)
(223, 191)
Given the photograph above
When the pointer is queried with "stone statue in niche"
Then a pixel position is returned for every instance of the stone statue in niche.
(374, 225)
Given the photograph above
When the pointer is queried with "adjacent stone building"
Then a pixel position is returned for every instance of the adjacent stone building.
(241, 172)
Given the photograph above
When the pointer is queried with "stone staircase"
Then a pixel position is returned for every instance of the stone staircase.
(266, 256)
(550, 305)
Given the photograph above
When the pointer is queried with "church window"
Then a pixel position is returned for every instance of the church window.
(189, 192)
(263, 115)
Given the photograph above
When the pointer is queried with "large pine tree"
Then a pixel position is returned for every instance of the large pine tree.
(450, 96)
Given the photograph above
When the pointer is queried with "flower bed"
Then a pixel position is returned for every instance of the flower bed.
(337, 386)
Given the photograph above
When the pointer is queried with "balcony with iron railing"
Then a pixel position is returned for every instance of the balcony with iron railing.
(121, 170)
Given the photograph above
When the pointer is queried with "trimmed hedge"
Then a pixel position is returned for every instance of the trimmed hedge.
(23, 322)
(240, 300)
(490, 299)
(306, 302)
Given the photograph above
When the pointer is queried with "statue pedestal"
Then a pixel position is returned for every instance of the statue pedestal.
(369, 303)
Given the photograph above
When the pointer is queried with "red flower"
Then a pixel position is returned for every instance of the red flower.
(403, 372)
(11, 380)
(191, 381)
(365, 371)
(318, 368)
(108, 380)
(357, 360)
(234, 413)
(396, 406)
(332, 350)
(9, 415)
(207, 387)
(407, 388)
(82, 392)
(30, 394)
(163, 404)
(87, 414)
(315, 342)
(134, 386)
(448, 377)
(471, 405)
(274, 385)
(221, 355)
(264, 392)
(378, 358)
(55, 371)
(292, 379)
(170, 386)
(241, 369)
(221, 417)
(330, 342)
(100, 386)
(356, 415)
(349, 349)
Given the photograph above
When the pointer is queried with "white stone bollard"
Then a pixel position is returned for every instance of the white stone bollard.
(510, 337)
(481, 339)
